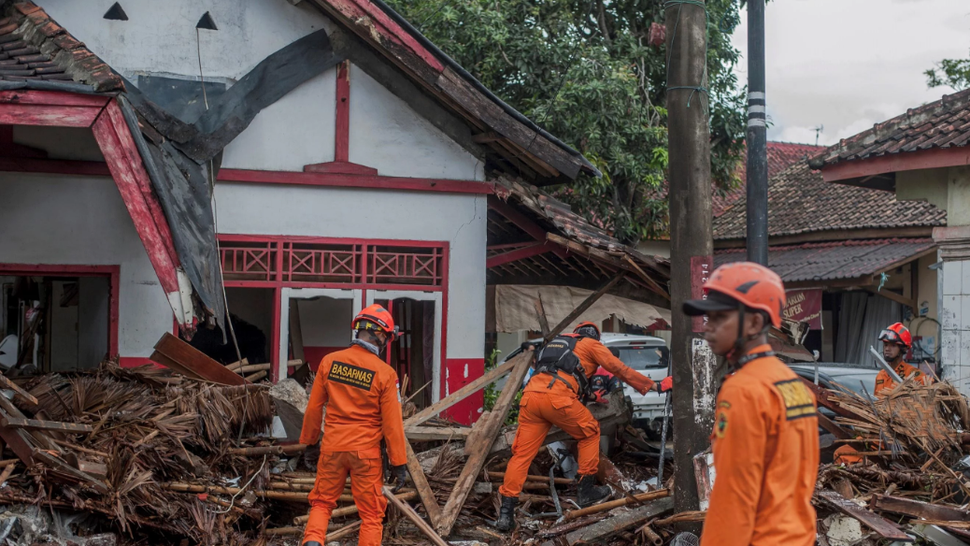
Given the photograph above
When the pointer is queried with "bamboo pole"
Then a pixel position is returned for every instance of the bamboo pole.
(643, 497)
(415, 518)
(236, 365)
(253, 368)
(344, 531)
(543, 479)
(6, 472)
(340, 512)
(256, 376)
(291, 449)
(283, 531)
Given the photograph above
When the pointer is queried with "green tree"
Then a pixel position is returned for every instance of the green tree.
(953, 73)
(585, 70)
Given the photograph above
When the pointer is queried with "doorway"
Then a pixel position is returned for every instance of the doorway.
(57, 318)
(315, 322)
(416, 354)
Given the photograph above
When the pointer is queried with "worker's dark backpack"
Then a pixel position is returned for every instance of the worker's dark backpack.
(558, 356)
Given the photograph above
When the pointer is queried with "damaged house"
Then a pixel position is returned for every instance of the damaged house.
(289, 161)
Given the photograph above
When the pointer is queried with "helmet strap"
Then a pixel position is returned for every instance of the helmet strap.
(737, 357)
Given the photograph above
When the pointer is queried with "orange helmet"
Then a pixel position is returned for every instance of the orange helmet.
(590, 329)
(746, 283)
(375, 317)
(898, 334)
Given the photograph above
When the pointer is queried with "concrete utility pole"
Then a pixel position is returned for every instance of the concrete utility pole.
(690, 237)
(757, 169)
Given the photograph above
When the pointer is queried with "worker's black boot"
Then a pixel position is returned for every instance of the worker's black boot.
(590, 493)
(506, 514)
(312, 543)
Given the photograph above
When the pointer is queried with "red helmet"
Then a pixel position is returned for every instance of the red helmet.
(375, 317)
(898, 334)
(753, 285)
(588, 325)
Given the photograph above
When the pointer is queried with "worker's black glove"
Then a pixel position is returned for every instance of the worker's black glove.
(311, 456)
(400, 476)
(666, 384)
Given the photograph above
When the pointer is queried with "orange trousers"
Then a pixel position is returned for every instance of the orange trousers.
(538, 412)
(366, 480)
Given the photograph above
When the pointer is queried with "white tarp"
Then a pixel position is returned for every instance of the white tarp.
(515, 307)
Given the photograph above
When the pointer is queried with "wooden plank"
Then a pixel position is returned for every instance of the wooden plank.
(606, 506)
(36, 424)
(189, 361)
(475, 463)
(832, 427)
(822, 397)
(406, 509)
(918, 509)
(459, 395)
(882, 526)
(600, 531)
(425, 493)
(24, 395)
(582, 307)
(428, 434)
(59, 465)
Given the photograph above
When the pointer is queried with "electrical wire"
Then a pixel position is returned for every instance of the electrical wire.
(673, 37)
(232, 501)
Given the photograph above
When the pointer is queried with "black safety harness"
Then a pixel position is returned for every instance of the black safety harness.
(558, 356)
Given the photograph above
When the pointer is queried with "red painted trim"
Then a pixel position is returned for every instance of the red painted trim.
(520, 254)
(364, 13)
(903, 161)
(336, 286)
(228, 237)
(113, 272)
(53, 166)
(446, 278)
(355, 181)
(49, 108)
(131, 178)
(341, 138)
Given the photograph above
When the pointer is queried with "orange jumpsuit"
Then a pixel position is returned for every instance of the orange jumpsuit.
(360, 392)
(543, 406)
(765, 445)
(904, 370)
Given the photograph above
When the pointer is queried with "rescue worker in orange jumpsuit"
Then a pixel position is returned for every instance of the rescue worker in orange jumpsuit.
(555, 395)
(765, 438)
(360, 393)
(896, 342)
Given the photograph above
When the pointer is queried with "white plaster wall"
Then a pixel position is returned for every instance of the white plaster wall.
(345, 212)
(160, 35)
(294, 131)
(955, 319)
(82, 220)
(386, 134)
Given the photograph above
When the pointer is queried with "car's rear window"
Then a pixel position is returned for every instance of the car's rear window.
(642, 358)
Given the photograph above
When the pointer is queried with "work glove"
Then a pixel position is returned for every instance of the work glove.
(666, 384)
(400, 477)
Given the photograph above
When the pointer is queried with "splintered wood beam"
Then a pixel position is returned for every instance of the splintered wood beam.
(883, 527)
(522, 222)
(459, 395)
(599, 532)
(430, 434)
(476, 461)
(519, 254)
(918, 509)
(425, 493)
(24, 395)
(582, 307)
(179, 356)
(35, 424)
(406, 509)
(59, 465)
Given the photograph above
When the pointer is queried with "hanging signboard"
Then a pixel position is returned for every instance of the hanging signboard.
(805, 306)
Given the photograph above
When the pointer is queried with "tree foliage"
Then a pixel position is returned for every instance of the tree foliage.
(953, 73)
(585, 71)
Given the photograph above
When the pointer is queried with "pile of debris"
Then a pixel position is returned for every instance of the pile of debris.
(911, 481)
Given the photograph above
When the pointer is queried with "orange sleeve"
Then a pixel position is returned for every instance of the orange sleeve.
(883, 382)
(740, 436)
(313, 416)
(392, 421)
(593, 351)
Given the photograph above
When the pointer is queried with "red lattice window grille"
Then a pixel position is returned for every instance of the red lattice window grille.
(331, 261)
(248, 261)
(323, 263)
(404, 265)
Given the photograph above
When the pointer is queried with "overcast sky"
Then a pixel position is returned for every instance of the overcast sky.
(848, 64)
